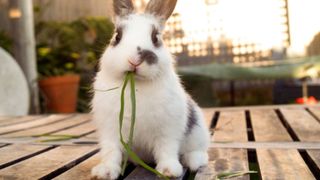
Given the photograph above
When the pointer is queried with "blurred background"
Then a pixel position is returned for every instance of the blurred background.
(229, 52)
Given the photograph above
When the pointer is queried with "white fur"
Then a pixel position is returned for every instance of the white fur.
(162, 112)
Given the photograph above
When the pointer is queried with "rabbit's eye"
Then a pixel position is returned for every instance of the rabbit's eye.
(118, 37)
(155, 37)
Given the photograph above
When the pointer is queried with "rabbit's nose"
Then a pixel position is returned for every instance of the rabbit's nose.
(135, 63)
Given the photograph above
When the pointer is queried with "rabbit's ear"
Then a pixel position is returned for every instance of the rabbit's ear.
(122, 8)
(161, 8)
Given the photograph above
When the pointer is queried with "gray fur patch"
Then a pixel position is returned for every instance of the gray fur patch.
(192, 117)
(148, 56)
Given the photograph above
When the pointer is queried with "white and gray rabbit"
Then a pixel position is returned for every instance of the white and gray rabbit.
(169, 125)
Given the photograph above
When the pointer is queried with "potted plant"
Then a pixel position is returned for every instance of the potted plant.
(64, 50)
(57, 66)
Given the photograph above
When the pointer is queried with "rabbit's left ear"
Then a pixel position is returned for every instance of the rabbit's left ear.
(122, 8)
(161, 8)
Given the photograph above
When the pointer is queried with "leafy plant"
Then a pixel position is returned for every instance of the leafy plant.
(56, 49)
(64, 48)
(72, 47)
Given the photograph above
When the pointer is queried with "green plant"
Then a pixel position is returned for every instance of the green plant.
(74, 47)
(64, 48)
(56, 49)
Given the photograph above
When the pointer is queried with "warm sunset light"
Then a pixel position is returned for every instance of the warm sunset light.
(260, 22)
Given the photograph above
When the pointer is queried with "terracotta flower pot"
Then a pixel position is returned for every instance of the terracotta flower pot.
(60, 93)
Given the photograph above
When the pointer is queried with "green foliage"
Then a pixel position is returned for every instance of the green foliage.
(72, 47)
(5, 41)
(64, 48)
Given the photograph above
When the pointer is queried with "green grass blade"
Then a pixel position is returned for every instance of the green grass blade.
(107, 90)
(127, 146)
(125, 159)
(133, 106)
(136, 159)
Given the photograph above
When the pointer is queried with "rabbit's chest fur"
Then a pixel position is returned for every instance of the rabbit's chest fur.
(161, 110)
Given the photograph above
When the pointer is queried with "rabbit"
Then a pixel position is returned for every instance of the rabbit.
(170, 126)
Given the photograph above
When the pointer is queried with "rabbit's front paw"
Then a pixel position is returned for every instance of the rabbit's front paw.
(105, 171)
(170, 168)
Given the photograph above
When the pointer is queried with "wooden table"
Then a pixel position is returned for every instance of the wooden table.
(280, 142)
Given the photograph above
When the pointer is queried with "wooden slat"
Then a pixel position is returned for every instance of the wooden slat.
(208, 115)
(315, 155)
(3, 145)
(315, 111)
(243, 108)
(93, 136)
(306, 127)
(224, 160)
(32, 124)
(17, 120)
(13, 152)
(140, 173)
(45, 163)
(78, 130)
(4, 118)
(82, 171)
(266, 145)
(72, 121)
(282, 164)
(276, 163)
(267, 126)
(231, 127)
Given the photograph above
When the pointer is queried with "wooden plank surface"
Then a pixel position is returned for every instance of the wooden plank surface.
(78, 130)
(140, 173)
(267, 145)
(276, 163)
(267, 126)
(3, 145)
(45, 163)
(224, 160)
(306, 127)
(82, 171)
(47, 129)
(315, 155)
(282, 164)
(17, 120)
(231, 127)
(33, 124)
(315, 111)
(16, 151)
(243, 108)
(208, 115)
(4, 118)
